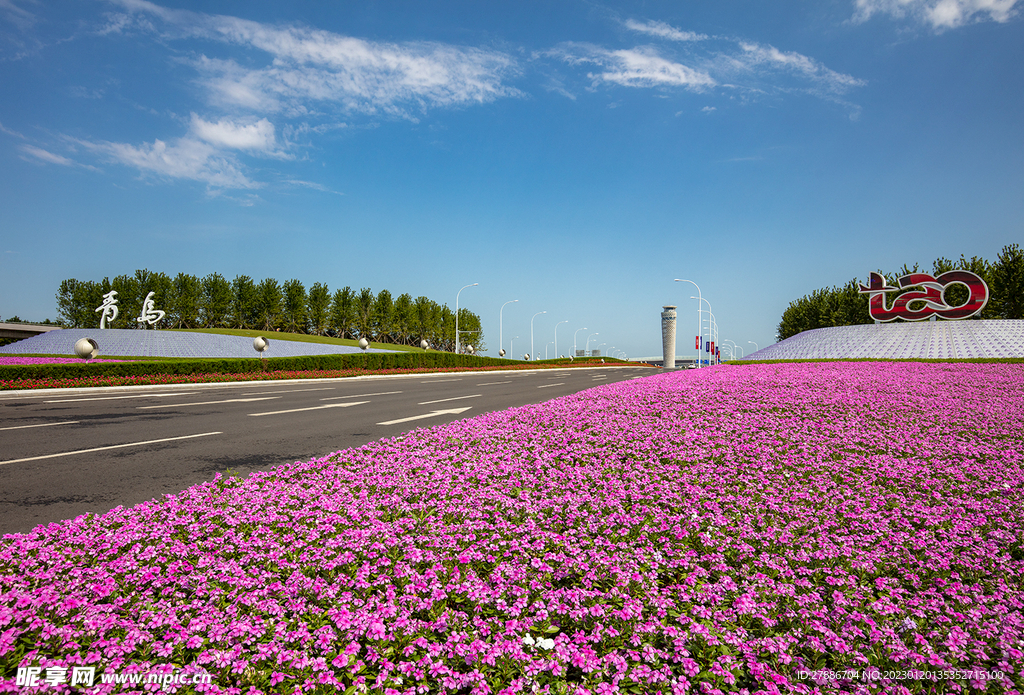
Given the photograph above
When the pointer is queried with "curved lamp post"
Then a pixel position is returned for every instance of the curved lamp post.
(700, 322)
(588, 341)
(700, 303)
(556, 335)
(531, 332)
(511, 355)
(574, 341)
(754, 344)
(500, 345)
(546, 350)
(457, 315)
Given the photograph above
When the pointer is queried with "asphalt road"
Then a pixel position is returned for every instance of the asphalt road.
(67, 452)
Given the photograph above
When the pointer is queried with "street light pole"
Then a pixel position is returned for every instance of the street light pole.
(532, 353)
(574, 341)
(500, 344)
(546, 351)
(588, 342)
(556, 335)
(756, 348)
(511, 354)
(700, 301)
(700, 321)
(457, 315)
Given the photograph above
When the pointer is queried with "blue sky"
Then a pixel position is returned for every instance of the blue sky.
(576, 156)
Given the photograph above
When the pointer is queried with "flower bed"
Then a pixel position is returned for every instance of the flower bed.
(207, 378)
(15, 360)
(728, 529)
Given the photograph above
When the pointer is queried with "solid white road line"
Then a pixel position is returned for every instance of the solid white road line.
(361, 395)
(457, 398)
(114, 398)
(107, 448)
(45, 424)
(453, 411)
(492, 383)
(262, 393)
(229, 400)
(561, 383)
(315, 407)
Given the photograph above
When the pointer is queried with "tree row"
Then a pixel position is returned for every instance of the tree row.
(845, 306)
(214, 302)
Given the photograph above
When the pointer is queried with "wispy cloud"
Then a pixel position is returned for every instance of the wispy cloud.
(255, 136)
(11, 132)
(311, 69)
(45, 156)
(637, 67)
(939, 14)
(31, 153)
(312, 184)
(756, 55)
(663, 30)
(186, 158)
(19, 16)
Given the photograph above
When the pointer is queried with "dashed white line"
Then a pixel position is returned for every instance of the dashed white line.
(114, 398)
(107, 448)
(229, 400)
(361, 395)
(438, 381)
(561, 383)
(456, 398)
(315, 407)
(492, 383)
(261, 393)
(45, 424)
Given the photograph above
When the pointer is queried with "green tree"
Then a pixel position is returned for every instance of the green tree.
(364, 313)
(343, 312)
(186, 301)
(216, 302)
(268, 304)
(75, 303)
(319, 308)
(1008, 283)
(383, 316)
(129, 300)
(244, 309)
(470, 332)
(295, 306)
(403, 319)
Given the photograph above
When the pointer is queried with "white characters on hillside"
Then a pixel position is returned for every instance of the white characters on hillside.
(150, 314)
(109, 308)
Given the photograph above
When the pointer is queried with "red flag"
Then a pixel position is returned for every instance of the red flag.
(697, 343)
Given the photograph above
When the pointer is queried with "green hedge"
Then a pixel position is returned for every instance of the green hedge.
(369, 361)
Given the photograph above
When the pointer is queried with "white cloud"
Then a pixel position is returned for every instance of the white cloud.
(939, 14)
(226, 134)
(18, 16)
(11, 132)
(641, 67)
(663, 30)
(45, 156)
(187, 158)
(759, 55)
(637, 67)
(311, 66)
(709, 109)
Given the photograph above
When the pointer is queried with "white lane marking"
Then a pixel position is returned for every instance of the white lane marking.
(229, 400)
(114, 398)
(315, 407)
(437, 381)
(361, 395)
(262, 393)
(457, 398)
(561, 383)
(453, 411)
(492, 383)
(107, 448)
(45, 424)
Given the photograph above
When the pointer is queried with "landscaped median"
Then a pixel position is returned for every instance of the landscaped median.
(65, 372)
(829, 527)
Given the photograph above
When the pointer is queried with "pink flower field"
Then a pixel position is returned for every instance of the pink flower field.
(761, 528)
